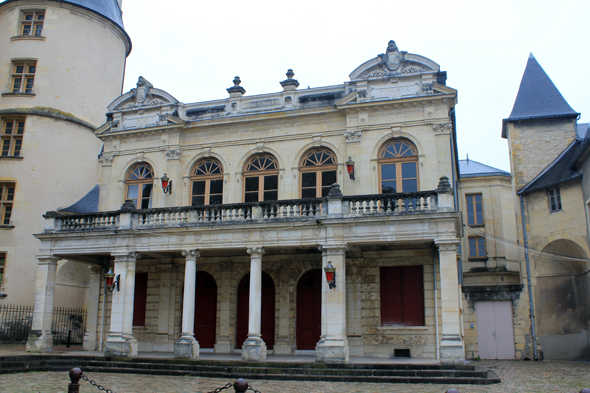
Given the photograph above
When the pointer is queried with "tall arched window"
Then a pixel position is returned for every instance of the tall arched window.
(261, 179)
(398, 166)
(207, 182)
(140, 181)
(318, 173)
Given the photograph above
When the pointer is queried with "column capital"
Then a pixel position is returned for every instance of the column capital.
(95, 269)
(256, 252)
(129, 256)
(333, 249)
(447, 244)
(47, 259)
(191, 254)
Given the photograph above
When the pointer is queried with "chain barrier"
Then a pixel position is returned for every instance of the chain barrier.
(226, 386)
(99, 387)
(252, 389)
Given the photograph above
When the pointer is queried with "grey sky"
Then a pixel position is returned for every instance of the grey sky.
(193, 49)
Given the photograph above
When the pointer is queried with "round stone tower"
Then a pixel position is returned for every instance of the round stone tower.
(61, 63)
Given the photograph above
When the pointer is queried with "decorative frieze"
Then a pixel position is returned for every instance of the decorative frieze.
(173, 154)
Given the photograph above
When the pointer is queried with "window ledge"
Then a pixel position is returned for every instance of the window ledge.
(12, 157)
(477, 259)
(476, 225)
(27, 37)
(390, 329)
(3, 295)
(19, 94)
(6, 226)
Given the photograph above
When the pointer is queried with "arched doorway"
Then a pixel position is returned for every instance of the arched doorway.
(309, 309)
(561, 300)
(205, 310)
(268, 311)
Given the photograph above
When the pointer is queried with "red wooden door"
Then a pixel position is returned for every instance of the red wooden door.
(140, 299)
(309, 309)
(205, 310)
(268, 311)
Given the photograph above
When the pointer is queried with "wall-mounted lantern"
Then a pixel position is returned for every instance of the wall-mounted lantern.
(111, 281)
(350, 167)
(166, 184)
(330, 275)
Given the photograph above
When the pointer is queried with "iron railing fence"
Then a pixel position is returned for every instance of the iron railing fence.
(16, 322)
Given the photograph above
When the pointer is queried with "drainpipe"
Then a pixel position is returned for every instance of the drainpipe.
(104, 297)
(528, 274)
(435, 304)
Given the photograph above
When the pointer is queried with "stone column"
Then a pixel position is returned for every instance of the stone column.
(187, 347)
(451, 343)
(91, 304)
(120, 341)
(226, 307)
(254, 348)
(40, 338)
(333, 344)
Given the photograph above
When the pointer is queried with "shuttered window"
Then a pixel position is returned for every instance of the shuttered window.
(140, 299)
(402, 296)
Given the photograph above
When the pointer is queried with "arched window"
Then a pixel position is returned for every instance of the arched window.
(398, 167)
(318, 173)
(140, 181)
(207, 182)
(261, 179)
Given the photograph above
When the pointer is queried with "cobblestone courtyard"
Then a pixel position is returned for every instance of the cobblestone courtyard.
(530, 377)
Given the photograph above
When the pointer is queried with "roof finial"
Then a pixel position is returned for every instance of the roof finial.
(467, 157)
(531, 56)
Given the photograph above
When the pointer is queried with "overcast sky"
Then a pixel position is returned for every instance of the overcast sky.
(193, 49)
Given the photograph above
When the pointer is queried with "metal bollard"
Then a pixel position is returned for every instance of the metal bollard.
(69, 336)
(452, 391)
(585, 390)
(75, 375)
(241, 385)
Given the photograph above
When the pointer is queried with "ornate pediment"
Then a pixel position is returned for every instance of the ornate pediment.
(144, 95)
(393, 63)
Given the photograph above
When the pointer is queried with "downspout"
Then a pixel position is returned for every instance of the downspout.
(104, 298)
(528, 274)
(435, 305)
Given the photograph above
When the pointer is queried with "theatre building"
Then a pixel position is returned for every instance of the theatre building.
(321, 220)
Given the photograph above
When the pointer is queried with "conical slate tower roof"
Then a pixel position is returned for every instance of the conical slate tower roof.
(537, 96)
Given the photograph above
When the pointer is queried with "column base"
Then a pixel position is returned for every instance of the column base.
(281, 348)
(451, 349)
(331, 351)
(40, 341)
(254, 349)
(121, 345)
(89, 342)
(186, 347)
(222, 347)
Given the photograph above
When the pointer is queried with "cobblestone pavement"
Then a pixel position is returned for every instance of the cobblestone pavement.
(529, 377)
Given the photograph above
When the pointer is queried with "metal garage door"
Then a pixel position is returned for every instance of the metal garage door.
(495, 331)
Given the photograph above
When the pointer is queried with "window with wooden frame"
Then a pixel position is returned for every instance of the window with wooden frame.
(12, 136)
(207, 182)
(402, 296)
(477, 247)
(23, 76)
(398, 167)
(261, 179)
(31, 22)
(139, 184)
(554, 195)
(474, 206)
(6, 200)
(2, 267)
(318, 173)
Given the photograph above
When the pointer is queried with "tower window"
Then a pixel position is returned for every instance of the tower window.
(31, 23)
(474, 209)
(554, 199)
(12, 137)
(23, 76)
(6, 200)
(2, 265)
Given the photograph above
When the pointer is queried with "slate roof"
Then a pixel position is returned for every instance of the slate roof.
(537, 97)
(470, 168)
(564, 168)
(88, 203)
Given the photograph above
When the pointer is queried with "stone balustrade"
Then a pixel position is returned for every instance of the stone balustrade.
(422, 202)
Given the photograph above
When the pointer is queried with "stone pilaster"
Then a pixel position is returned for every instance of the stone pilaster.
(120, 341)
(284, 343)
(165, 333)
(224, 343)
(187, 347)
(333, 344)
(254, 348)
(91, 304)
(451, 343)
(40, 338)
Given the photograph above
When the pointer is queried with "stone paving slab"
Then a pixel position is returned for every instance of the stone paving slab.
(517, 377)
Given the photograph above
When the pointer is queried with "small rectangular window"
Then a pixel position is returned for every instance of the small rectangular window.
(474, 209)
(6, 201)
(477, 247)
(554, 199)
(31, 23)
(2, 267)
(402, 296)
(23, 76)
(11, 137)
